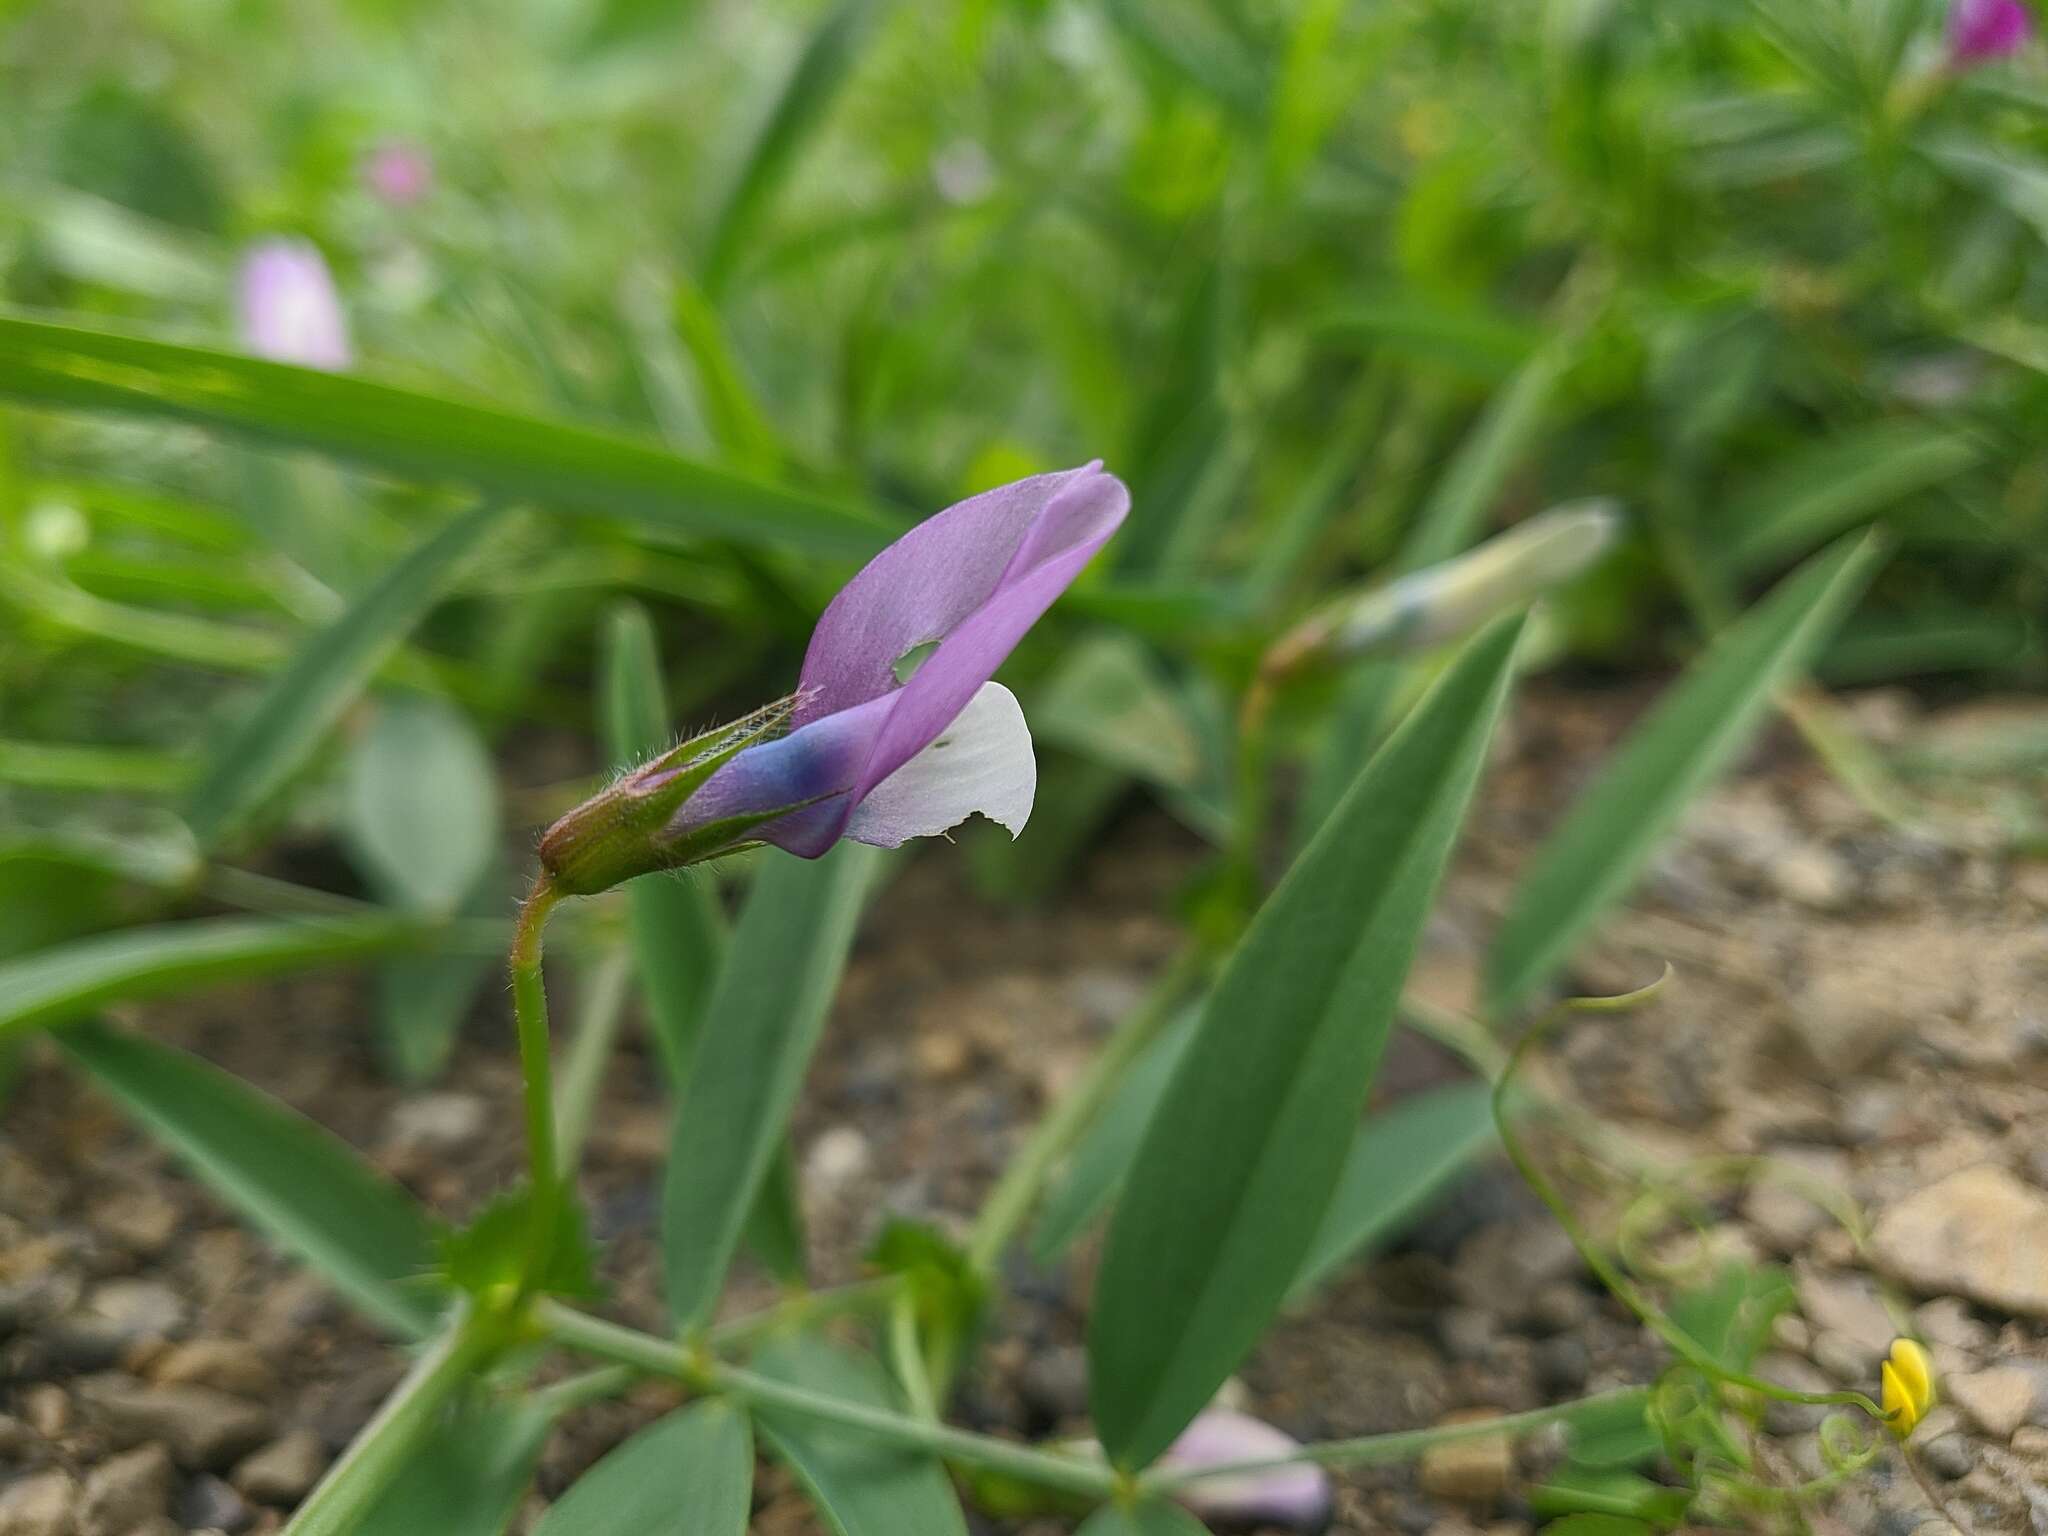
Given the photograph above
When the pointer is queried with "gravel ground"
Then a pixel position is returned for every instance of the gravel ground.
(1863, 1006)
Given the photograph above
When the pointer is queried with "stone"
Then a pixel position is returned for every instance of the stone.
(1055, 1382)
(231, 1365)
(1466, 1333)
(1474, 1471)
(284, 1471)
(139, 1309)
(437, 1122)
(839, 1156)
(1501, 1267)
(1950, 1456)
(42, 1505)
(1813, 875)
(1563, 1363)
(140, 1219)
(208, 1504)
(1845, 1304)
(1782, 1418)
(204, 1428)
(1979, 1233)
(1866, 991)
(125, 1490)
(2001, 1398)
(1947, 1323)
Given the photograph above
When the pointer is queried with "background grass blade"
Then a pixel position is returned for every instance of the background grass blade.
(1241, 1157)
(304, 700)
(763, 1022)
(421, 805)
(308, 1190)
(860, 1486)
(1096, 1170)
(688, 1474)
(420, 436)
(678, 931)
(84, 974)
(799, 107)
(1819, 491)
(1398, 1161)
(1591, 860)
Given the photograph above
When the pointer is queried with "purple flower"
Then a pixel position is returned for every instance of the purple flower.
(867, 756)
(398, 172)
(1296, 1495)
(1982, 30)
(287, 308)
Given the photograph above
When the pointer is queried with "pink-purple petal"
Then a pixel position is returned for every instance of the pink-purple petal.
(1297, 1496)
(287, 309)
(1982, 30)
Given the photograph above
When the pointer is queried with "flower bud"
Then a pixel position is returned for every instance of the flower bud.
(628, 827)
(1980, 31)
(287, 309)
(1441, 602)
(1907, 1390)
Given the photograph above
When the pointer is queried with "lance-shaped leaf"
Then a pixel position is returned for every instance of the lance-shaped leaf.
(764, 1020)
(860, 1486)
(421, 436)
(1594, 857)
(1244, 1152)
(305, 698)
(308, 1190)
(1155, 1517)
(688, 1474)
(84, 974)
(1399, 1158)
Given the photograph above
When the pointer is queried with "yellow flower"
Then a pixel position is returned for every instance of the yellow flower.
(1908, 1378)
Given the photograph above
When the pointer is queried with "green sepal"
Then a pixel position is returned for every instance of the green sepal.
(620, 831)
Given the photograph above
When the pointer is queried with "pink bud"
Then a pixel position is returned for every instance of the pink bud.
(399, 173)
(288, 309)
(1297, 1496)
(1982, 30)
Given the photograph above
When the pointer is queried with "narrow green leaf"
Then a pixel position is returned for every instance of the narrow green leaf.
(156, 961)
(421, 805)
(1398, 1160)
(860, 1486)
(420, 436)
(308, 1190)
(1110, 701)
(1096, 1170)
(1592, 859)
(764, 1020)
(799, 107)
(1153, 1518)
(678, 931)
(470, 1478)
(688, 1474)
(104, 770)
(1832, 485)
(1239, 1162)
(303, 700)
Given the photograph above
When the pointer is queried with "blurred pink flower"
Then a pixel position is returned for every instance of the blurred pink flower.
(1982, 30)
(398, 172)
(287, 308)
(1296, 1496)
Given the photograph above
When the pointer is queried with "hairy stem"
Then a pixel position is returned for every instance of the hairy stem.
(530, 1017)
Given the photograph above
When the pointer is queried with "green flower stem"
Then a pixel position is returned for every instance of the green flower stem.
(805, 1307)
(405, 1423)
(1401, 1445)
(592, 1386)
(530, 1016)
(1045, 1469)
(1011, 1200)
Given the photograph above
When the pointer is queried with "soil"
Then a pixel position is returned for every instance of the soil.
(1866, 1006)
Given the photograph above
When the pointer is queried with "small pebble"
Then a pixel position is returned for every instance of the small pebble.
(284, 1471)
(1468, 1471)
(42, 1505)
(208, 1504)
(125, 1490)
(1949, 1455)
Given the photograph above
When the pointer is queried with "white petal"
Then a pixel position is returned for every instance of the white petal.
(982, 762)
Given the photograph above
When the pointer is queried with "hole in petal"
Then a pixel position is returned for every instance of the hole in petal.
(907, 664)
